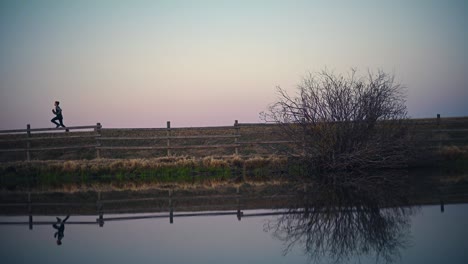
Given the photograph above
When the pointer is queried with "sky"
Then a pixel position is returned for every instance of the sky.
(208, 63)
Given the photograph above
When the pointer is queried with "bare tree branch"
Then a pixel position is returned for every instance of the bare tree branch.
(345, 122)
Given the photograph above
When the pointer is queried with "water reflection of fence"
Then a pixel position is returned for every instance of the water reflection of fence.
(101, 220)
(239, 207)
(170, 203)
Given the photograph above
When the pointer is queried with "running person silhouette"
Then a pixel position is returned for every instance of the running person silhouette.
(58, 115)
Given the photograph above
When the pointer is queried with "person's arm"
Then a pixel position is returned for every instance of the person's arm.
(65, 219)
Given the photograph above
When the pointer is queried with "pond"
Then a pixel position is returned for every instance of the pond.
(375, 218)
(418, 234)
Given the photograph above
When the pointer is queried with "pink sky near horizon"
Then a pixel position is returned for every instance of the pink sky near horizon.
(207, 63)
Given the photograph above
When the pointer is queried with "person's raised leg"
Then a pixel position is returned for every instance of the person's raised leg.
(53, 120)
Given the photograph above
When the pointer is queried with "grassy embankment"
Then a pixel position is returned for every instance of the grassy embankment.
(180, 172)
(145, 173)
(122, 169)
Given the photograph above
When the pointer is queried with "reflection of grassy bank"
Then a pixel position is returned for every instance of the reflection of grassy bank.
(132, 173)
(454, 158)
(192, 198)
(431, 188)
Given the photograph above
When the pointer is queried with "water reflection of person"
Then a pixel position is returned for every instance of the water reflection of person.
(60, 226)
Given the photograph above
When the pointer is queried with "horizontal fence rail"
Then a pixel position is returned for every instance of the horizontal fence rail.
(46, 129)
(172, 147)
(170, 137)
(229, 139)
(29, 139)
(170, 206)
(167, 142)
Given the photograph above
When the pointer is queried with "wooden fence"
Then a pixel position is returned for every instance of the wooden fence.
(28, 139)
(23, 139)
(168, 137)
(171, 205)
(434, 134)
(159, 206)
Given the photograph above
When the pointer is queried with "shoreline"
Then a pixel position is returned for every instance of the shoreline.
(180, 172)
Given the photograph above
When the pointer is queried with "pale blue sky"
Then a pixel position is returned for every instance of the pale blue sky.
(197, 63)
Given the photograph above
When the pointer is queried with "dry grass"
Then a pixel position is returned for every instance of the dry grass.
(214, 162)
(181, 172)
(129, 165)
(256, 162)
(454, 179)
(132, 186)
(454, 152)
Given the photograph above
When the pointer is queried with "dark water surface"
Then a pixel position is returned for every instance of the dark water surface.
(423, 234)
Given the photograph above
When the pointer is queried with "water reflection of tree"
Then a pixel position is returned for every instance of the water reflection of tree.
(339, 222)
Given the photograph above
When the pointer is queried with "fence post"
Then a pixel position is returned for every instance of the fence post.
(99, 206)
(98, 142)
(171, 208)
(28, 143)
(236, 140)
(30, 212)
(239, 213)
(439, 133)
(168, 133)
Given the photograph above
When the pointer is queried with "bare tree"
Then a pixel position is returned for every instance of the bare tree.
(345, 123)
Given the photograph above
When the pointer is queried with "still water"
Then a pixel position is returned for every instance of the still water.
(423, 234)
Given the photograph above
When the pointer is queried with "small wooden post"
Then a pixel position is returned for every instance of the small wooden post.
(171, 216)
(236, 139)
(439, 133)
(30, 212)
(98, 141)
(99, 206)
(98, 202)
(171, 209)
(28, 143)
(239, 213)
(168, 133)
(101, 220)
